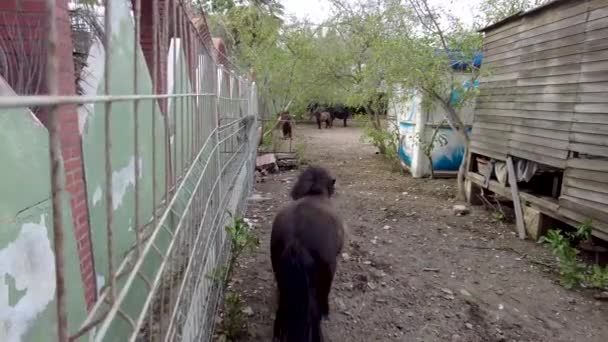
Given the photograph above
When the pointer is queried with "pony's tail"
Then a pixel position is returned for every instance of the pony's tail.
(298, 318)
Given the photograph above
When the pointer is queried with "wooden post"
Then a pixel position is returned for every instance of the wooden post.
(519, 216)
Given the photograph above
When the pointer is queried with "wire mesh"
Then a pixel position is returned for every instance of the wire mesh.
(187, 127)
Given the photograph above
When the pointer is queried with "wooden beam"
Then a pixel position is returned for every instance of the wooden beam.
(519, 215)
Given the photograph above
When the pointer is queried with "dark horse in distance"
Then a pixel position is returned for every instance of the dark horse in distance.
(307, 237)
(322, 117)
(337, 111)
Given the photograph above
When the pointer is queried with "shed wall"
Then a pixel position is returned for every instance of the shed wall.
(547, 100)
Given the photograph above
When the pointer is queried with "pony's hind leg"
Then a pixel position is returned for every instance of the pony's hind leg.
(324, 282)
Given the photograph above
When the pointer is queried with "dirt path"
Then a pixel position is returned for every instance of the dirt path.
(413, 271)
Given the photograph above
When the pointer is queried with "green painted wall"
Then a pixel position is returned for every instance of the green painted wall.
(123, 162)
(27, 276)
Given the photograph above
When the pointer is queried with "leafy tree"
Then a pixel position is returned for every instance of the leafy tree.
(492, 11)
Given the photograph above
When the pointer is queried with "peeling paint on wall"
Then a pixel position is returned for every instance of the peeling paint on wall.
(30, 261)
(101, 281)
(123, 179)
(97, 195)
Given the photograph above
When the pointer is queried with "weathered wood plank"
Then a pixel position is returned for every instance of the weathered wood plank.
(537, 123)
(548, 89)
(541, 81)
(490, 137)
(591, 108)
(585, 184)
(587, 175)
(540, 132)
(555, 162)
(597, 118)
(586, 138)
(534, 98)
(497, 68)
(496, 127)
(591, 209)
(540, 47)
(593, 98)
(594, 56)
(527, 106)
(590, 195)
(558, 144)
(539, 150)
(588, 164)
(598, 14)
(488, 132)
(589, 149)
(515, 41)
(529, 114)
(488, 153)
(495, 147)
(537, 25)
(591, 128)
(597, 76)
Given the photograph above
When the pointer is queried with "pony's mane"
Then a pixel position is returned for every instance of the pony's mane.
(313, 181)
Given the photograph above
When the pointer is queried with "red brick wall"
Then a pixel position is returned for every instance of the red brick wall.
(148, 22)
(24, 13)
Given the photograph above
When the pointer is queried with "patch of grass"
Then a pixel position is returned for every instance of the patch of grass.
(234, 324)
(574, 272)
(386, 141)
(242, 239)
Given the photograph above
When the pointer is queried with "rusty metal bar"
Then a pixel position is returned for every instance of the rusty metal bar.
(52, 70)
(174, 102)
(168, 158)
(108, 148)
(183, 67)
(155, 84)
(137, 16)
(45, 101)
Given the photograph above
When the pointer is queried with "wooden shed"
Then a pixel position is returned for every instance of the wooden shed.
(545, 105)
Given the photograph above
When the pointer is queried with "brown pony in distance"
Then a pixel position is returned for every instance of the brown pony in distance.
(323, 117)
(286, 124)
(307, 237)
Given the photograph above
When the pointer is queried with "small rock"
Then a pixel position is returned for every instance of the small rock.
(409, 314)
(468, 325)
(345, 256)
(248, 311)
(371, 285)
(387, 227)
(602, 296)
(460, 210)
(465, 293)
(447, 291)
(341, 305)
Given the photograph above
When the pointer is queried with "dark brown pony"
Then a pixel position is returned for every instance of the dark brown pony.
(323, 117)
(286, 124)
(307, 237)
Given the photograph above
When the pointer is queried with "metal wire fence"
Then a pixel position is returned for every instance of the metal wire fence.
(189, 139)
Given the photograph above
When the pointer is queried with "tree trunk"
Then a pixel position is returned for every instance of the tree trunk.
(432, 175)
(462, 173)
